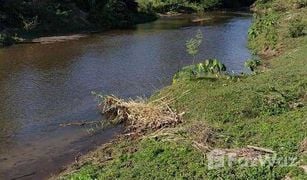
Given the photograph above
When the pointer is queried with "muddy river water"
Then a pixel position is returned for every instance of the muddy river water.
(45, 85)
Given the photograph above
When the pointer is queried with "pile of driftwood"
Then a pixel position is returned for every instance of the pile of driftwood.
(139, 116)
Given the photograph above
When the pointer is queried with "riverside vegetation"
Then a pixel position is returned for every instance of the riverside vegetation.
(30, 18)
(235, 116)
(26, 19)
(228, 113)
(169, 6)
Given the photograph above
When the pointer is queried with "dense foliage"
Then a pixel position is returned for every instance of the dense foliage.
(32, 17)
(29, 18)
(267, 34)
(296, 28)
(163, 6)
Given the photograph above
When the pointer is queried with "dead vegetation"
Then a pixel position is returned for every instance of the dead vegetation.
(139, 116)
(303, 98)
(157, 117)
(203, 137)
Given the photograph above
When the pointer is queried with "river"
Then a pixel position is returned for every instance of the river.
(45, 85)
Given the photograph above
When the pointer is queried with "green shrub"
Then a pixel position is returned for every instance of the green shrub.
(263, 32)
(274, 103)
(163, 6)
(210, 4)
(114, 13)
(146, 6)
(208, 68)
(252, 64)
(296, 28)
(31, 17)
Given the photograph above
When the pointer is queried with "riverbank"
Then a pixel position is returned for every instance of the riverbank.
(47, 38)
(195, 18)
(22, 21)
(57, 79)
(233, 117)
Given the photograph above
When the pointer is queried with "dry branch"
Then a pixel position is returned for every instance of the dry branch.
(79, 123)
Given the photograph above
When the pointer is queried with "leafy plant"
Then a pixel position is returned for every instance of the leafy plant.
(209, 67)
(29, 24)
(209, 4)
(192, 45)
(263, 33)
(252, 64)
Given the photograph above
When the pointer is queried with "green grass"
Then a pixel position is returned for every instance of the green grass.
(157, 159)
(274, 23)
(239, 109)
(267, 109)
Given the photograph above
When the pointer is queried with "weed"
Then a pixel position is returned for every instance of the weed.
(192, 45)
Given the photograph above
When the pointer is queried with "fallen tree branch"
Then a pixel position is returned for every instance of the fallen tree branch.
(79, 123)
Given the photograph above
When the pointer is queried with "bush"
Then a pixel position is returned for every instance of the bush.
(34, 17)
(208, 68)
(263, 32)
(210, 4)
(146, 6)
(296, 28)
(163, 6)
(113, 14)
(252, 64)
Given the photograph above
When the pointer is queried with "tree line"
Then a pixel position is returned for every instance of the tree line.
(31, 18)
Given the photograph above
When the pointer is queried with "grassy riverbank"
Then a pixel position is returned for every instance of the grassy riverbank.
(267, 110)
